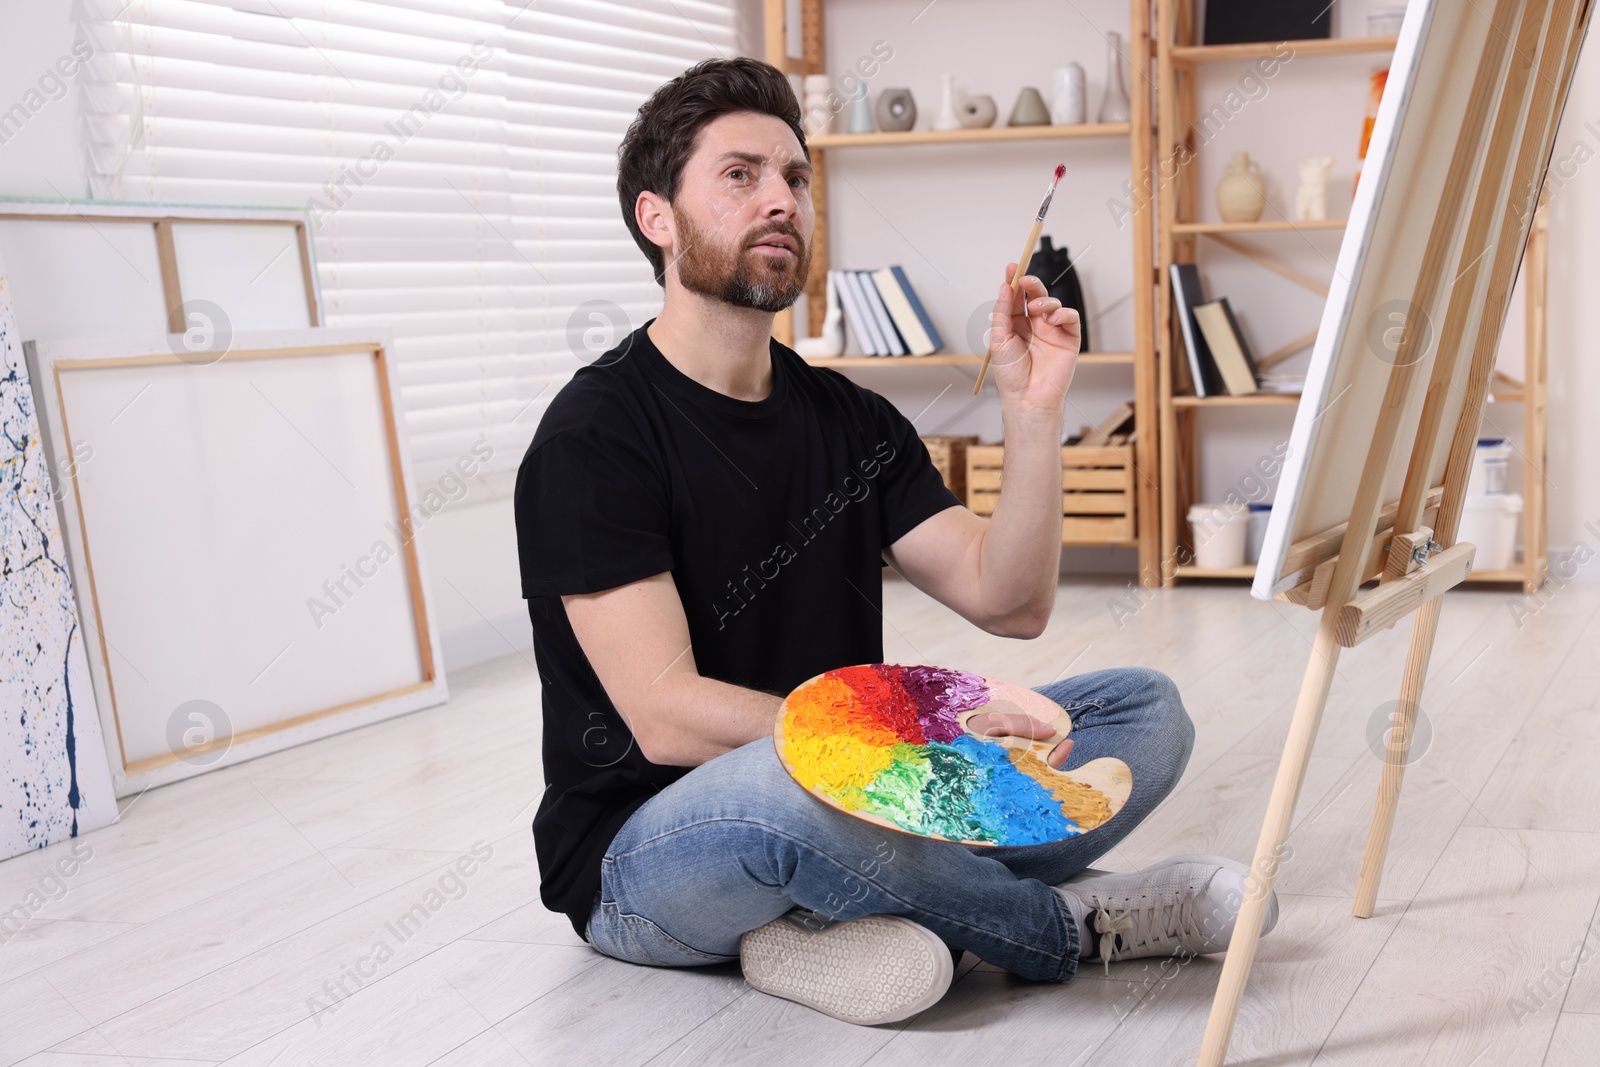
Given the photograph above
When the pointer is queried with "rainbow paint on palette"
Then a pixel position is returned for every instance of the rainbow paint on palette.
(887, 743)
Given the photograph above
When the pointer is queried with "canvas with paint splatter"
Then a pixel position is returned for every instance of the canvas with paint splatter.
(889, 744)
(55, 782)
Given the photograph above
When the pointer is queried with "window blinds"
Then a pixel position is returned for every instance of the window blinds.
(458, 158)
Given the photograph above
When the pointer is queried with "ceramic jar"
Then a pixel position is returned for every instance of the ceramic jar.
(818, 113)
(1069, 103)
(1240, 196)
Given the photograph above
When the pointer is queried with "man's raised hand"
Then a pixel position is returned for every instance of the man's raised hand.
(1034, 342)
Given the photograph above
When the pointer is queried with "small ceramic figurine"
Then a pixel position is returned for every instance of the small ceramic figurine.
(977, 112)
(1311, 198)
(1240, 197)
(1069, 106)
(1029, 109)
(897, 111)
(831, 342)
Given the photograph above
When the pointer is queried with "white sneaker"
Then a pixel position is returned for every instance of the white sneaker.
(875, 969)
(1186, 905)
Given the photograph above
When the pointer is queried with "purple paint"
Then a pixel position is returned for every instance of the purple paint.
(941, 695)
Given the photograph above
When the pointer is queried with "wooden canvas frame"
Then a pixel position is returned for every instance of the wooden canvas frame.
(50, 361)
(162, 217)
(1375, 488)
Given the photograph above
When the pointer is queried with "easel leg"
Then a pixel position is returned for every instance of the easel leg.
(1274, 832)
(1397, 748)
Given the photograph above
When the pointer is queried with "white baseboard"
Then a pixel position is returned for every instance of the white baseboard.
(486, 639)
(1575, 562)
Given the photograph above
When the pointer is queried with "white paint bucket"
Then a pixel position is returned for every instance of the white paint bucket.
(1219, 533)
(1490, 522)
(1491, 467)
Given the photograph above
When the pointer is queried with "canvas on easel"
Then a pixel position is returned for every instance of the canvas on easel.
(1374, 481)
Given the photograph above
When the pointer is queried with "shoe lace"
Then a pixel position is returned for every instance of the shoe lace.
(1146, 927)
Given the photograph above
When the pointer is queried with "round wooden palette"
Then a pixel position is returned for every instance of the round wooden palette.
(889, 744)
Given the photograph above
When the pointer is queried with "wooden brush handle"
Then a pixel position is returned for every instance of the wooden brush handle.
(1016, 286)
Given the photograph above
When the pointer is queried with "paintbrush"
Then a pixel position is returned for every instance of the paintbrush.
(1022, 266)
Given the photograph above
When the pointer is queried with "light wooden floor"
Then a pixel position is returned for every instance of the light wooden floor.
(212, 914)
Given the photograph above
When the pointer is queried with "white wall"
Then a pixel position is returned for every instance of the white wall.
(1575, 317)
(43, 158)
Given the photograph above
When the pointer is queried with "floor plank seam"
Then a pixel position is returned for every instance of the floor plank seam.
(1533, 705)
(238, 960)
(1355, 990)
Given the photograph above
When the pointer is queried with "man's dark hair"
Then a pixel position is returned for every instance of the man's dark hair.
(664, 134)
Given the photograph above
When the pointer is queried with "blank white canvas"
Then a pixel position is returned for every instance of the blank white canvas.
(1422, 113)
(75, 278)
(271, 476)
(250, 270)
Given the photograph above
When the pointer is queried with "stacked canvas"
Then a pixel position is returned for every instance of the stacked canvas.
(55, 782)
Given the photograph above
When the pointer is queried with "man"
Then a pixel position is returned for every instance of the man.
(702, 521)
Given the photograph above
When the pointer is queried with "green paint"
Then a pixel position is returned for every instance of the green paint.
(947, 796)
(896, 793)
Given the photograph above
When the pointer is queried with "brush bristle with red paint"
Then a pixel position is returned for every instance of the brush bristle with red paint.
(1061, 168)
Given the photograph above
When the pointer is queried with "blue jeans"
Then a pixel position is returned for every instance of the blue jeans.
(736, 843)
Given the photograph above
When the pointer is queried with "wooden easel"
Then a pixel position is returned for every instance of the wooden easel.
(1523, 77)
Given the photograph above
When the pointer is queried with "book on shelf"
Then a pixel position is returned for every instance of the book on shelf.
(1229, 350)
(884, 314)
(917, 309)
(1186, 295)
(855, 313)
(1283, 383)
(916, 329)
(893, 344)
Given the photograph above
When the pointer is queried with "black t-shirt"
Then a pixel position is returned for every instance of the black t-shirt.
(772, 516)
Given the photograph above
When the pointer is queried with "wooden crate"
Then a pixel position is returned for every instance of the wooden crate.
(949, 455)
(1097, 491)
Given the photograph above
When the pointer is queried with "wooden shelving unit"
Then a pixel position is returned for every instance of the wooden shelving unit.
(992, 133)
(941, 359)
(1254, 400)
(1261, 226)
(1190, 54)
(1139, 134)
(1178, 235)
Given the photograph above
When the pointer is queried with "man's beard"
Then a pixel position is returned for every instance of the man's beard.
(739, 276)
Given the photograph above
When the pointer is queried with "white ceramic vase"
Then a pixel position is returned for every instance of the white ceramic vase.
(818, 112)
(1069, 105)
(1114, 108)
(948, 118)
(861, 112)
